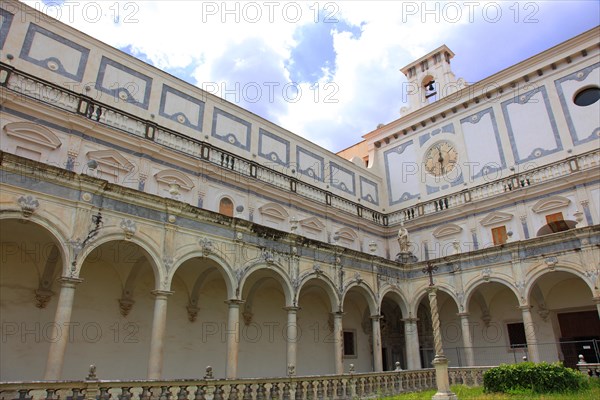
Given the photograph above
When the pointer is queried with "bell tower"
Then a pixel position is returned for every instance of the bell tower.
(430, 78)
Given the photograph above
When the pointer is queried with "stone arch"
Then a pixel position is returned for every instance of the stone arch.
(542, 269)
(421, 293)
(472, 288)
(153, 254)
(221, 264)
(398, 297)
(367, 293)
(55, 232)
(326, 284)
(280, 276)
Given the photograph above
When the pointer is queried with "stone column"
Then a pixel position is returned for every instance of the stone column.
(157, 340)
(233, 337)
(291, 339)
(411, 337)
(532, 343)
(377, 361)
(62, 320)
(338, 342)
(440, 362)
(467, 339)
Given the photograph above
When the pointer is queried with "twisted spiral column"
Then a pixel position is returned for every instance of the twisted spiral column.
(435, 322)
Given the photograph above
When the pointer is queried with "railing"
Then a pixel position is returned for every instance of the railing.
(347, 386)
(498, 187)
(46, 92)
(54, 95)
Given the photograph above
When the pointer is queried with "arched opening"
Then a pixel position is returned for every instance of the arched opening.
(315, 329)
(111, 323)
(496, 323)
(31, 263)
(357, 328)
(567, 319)
(393, 339)
(226, 207)
(196, 317)
(263, 322)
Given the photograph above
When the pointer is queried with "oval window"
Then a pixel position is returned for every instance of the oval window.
(587, 97)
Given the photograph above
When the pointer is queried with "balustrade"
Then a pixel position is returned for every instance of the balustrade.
(346, 386)
(72, 102)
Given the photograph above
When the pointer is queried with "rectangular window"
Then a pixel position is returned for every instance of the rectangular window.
(499, 235)
(516, 335)
(349, 344)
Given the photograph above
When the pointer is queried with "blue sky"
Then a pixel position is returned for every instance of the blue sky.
(326, 71)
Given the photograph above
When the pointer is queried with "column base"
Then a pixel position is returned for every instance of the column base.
(444, 396)
(441, 377)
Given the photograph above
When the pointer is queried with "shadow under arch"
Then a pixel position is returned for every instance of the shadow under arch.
(323, 282)
(276, 271)
(422, 294)
(59, 238)
(149, 252)
(397, 297)
(366, 292)
(472, 288)
(541, 270)
(220, 264)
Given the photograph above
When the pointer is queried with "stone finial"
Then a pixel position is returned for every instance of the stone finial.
(581, 360)
(524, 358)
(351, 369)
(92, 374)
(398, 366)
(209, 373)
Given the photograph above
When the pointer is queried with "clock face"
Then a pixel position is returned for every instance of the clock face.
(441, 158)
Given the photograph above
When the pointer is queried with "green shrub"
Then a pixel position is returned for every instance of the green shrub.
(538, 378)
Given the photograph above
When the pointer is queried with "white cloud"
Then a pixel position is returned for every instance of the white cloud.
(365, 85)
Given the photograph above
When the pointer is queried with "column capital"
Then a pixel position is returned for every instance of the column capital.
(463, 314)
(338, 314)
(525, 307)
(234, 302)
(376, 317)
(596, 300)
(161, 294)
(292, 309)
(69, 281)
